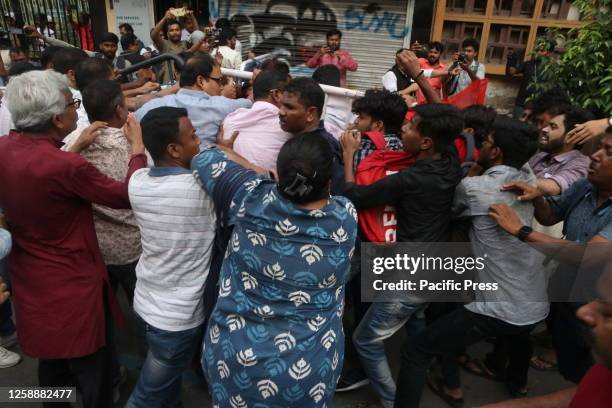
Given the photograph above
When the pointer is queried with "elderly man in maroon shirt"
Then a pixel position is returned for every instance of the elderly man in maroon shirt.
(60, 285)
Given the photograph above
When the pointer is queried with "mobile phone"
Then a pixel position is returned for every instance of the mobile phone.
(179, 12)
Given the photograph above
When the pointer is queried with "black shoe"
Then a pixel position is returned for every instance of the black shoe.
(352, 380)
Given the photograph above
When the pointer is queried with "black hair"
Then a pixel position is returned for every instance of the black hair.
(517, 140)
(108, 37)
(327, 75)
(275, 64)
(471, 42)
(305, 166)
(385, 106)
(226, 35)
(265, 82)
(199, 65)
(480, 118)
(223, 23)
(308, 92)
(549, 100)
(185, 56)
(441, 123)
(21, 67)
(170, 23)
(100, 98)
(18, 50)
(46, 57)
(574, 115)
(332, 32)
(67, 59)
(127, 27)
(160, 127)
(437, 45)
(127, 40)
(90, 70)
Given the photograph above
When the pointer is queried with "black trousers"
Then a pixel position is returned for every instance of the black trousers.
(91, 374)
(444, 337)
(124, 275)
(569, 339)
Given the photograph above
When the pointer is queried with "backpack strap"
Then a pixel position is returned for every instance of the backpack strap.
(378, 139)
(470, 146)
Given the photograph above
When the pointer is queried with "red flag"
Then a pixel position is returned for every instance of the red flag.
(474, 94)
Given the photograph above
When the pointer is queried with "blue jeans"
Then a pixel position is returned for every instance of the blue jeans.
(380, 322)
(170, 353)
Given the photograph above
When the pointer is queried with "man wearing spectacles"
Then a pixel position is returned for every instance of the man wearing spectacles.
(60, 284)
(200, 94)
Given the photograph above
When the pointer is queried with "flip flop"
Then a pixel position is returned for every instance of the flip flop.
(478, 367)
(437, 387)
(516, 392)
(542, 364)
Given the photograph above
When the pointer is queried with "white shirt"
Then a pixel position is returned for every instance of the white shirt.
(464, 79)
(177, 225)
(231, 58)
(389, 80)
(261, 136)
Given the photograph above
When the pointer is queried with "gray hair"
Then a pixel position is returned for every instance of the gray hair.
(33, 98)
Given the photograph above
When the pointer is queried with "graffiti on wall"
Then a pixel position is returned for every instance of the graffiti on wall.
(370, 19)
(298, 26)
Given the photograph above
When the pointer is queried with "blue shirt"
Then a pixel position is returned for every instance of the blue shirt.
(206, 112)
(584, 219)
(275, 334)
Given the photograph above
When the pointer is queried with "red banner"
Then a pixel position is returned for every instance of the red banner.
(474, 94)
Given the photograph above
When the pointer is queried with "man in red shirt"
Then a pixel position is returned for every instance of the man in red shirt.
(60, 287)
(432, 61)
(595, 388)
(331, 53)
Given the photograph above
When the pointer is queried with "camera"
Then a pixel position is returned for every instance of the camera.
(463, 58)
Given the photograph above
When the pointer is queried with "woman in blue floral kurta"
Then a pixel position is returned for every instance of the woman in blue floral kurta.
(275, 336)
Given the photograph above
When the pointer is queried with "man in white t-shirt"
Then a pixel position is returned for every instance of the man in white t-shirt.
(177, 225)
(227, 42)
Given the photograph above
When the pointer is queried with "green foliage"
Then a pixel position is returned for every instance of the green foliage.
(585, 68)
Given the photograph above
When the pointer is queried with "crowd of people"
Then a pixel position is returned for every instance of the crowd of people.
(231, 216)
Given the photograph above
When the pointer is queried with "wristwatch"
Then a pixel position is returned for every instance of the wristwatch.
(524, 232)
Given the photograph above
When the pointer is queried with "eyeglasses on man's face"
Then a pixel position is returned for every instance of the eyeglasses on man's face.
(76, 102)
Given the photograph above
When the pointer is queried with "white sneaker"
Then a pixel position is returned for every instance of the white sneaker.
(8, 358)
(8, 341)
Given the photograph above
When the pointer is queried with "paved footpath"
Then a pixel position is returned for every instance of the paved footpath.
(477, 390)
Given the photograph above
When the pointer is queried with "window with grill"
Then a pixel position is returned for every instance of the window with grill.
(501, 26)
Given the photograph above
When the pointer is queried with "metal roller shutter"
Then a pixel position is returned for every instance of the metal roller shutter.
(372, 32)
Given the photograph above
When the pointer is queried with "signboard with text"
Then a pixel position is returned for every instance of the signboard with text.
(138, 13)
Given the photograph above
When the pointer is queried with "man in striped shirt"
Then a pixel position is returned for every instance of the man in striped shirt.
(177, 225)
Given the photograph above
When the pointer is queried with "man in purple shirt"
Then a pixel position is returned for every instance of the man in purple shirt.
(559, 164)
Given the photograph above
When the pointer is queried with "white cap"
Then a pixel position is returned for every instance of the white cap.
(49, 19)
(9, 14)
